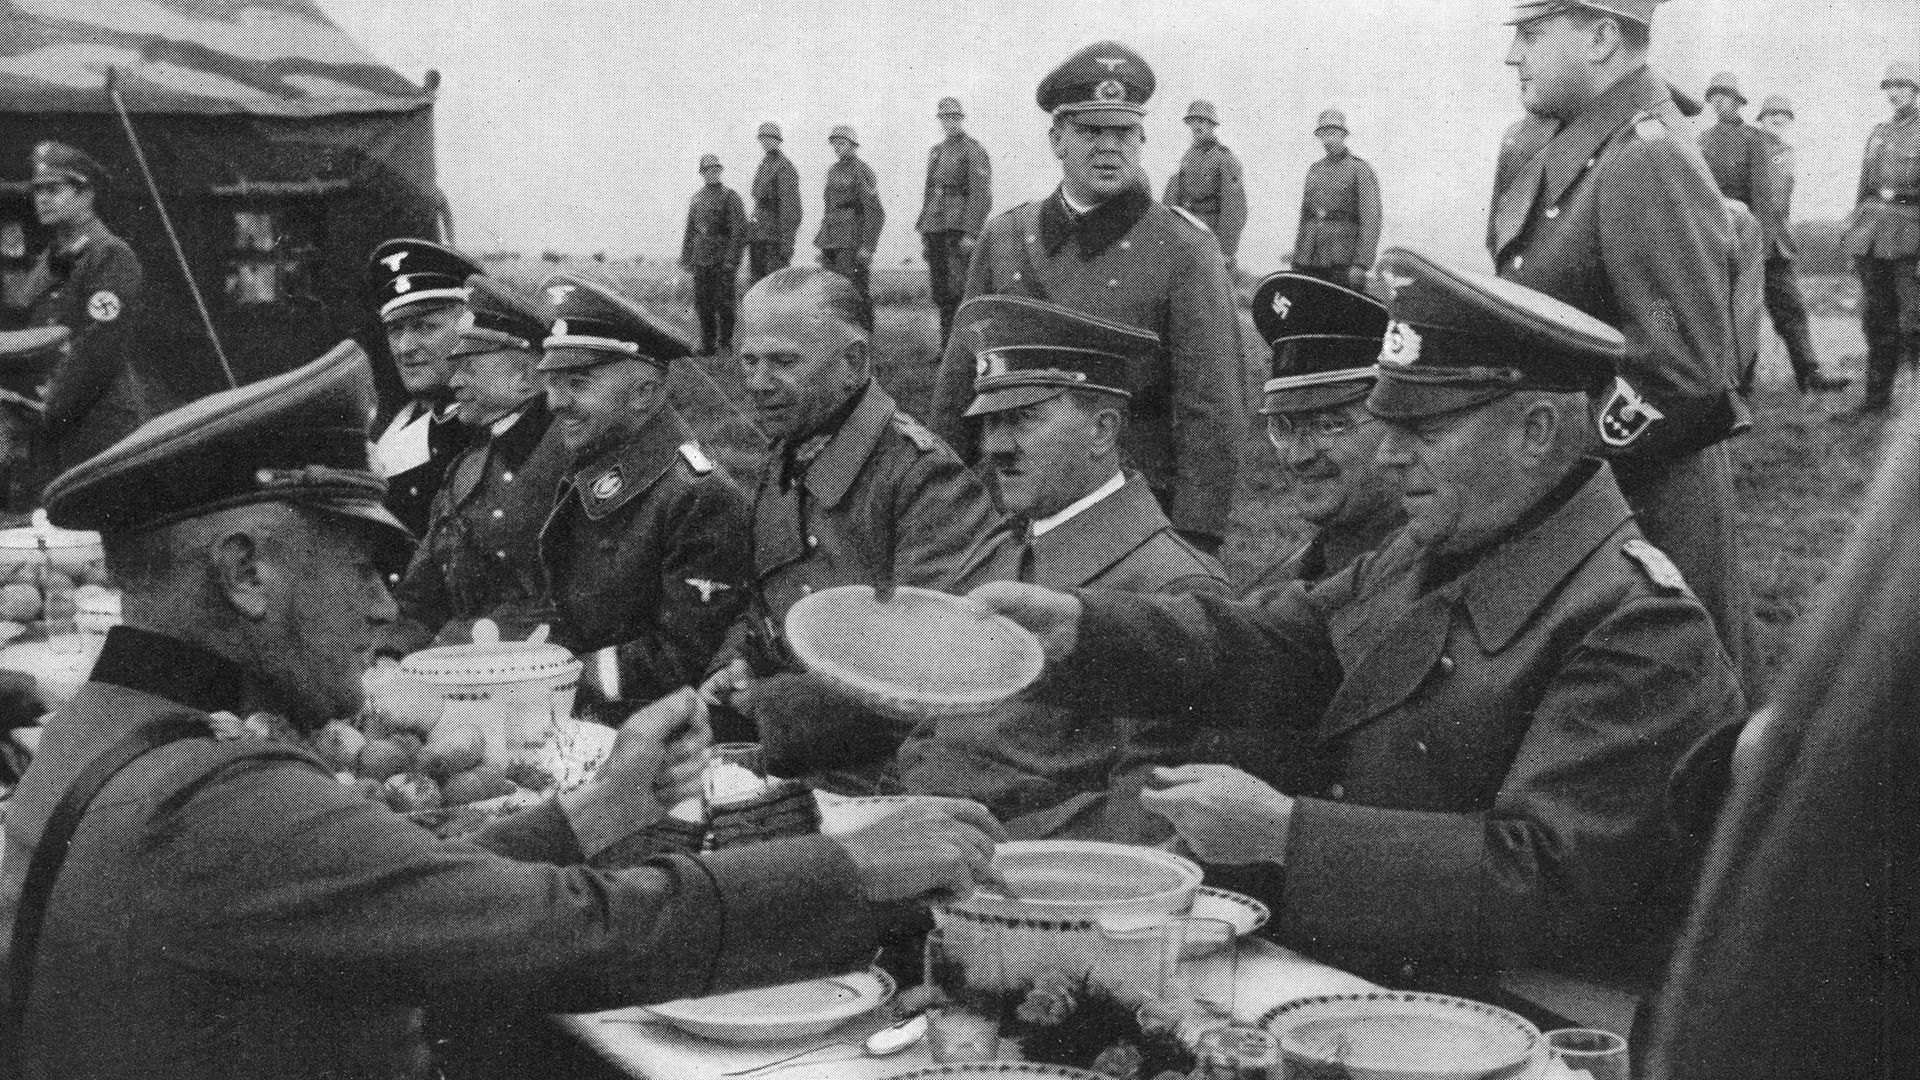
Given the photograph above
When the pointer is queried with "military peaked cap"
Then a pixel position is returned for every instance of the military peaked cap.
(502, 319)
(407, 272)
(594, 325)
(1325, 339)
(1776, 103)
(1725, 83)
(1640, 11)
(1456, 339)
(1106, 82)
(1026, 351)
(297, 438)
(58, 163)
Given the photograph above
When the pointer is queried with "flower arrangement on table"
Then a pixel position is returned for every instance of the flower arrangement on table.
(1061, 1019)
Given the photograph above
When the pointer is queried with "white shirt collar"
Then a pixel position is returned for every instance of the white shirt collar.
(1046, 525)
(1074, 205)
(500, 427)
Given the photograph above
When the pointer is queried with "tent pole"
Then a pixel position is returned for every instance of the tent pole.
(179, 253)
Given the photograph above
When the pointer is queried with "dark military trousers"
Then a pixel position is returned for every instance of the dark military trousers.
(946, 275)
(714, 300)
(1788, 310)
(1890, 316)
(846, 262)
(766, 256)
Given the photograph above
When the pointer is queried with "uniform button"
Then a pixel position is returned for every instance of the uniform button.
(1113, 283)
(1032, 238)
(499, 554)
(1421, 746)
(414, 491)
(1016, 275)
(507, 478)
(1446, 665)
(806, 590)
(1126, 245)
(813, 541)
(1519, 261)
(1552, 212)
(1337, 791)
(498, 513)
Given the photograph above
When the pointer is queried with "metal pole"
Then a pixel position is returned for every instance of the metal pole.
(179, 253)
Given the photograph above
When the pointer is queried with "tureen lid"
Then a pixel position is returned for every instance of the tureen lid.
(489, 660)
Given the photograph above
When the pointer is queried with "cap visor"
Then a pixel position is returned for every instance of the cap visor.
(1399, 399)
(573, 357)
(1013, 397)
(408, 305)
(1105, 115)
(1313, 398)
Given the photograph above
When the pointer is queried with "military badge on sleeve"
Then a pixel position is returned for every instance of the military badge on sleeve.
(103, 306)
(1625, 416)
(608, 484)
(1659, 569)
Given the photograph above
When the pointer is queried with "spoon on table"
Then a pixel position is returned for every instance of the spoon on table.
(895, 1038)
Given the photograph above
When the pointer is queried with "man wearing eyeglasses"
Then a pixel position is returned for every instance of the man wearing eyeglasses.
(1325, 338)
(1497, 697)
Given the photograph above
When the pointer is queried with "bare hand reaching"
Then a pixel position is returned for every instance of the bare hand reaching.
(1053, 617)
(657, 760)
(925, 853)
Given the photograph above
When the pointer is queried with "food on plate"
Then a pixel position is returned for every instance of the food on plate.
(453, 747)
(477, 784)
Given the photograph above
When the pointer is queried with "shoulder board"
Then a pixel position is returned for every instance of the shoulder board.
(1191, 219)
(696, 458)
(916, 433)
(1650, 125)
(1655, 564)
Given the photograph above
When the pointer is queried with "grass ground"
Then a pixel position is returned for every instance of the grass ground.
(1800, 475)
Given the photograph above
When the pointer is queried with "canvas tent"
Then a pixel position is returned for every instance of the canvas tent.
(281, 148)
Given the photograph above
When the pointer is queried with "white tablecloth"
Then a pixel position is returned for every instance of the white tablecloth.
(652, 1050)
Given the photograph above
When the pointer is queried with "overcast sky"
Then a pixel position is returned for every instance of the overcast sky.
(576, 125)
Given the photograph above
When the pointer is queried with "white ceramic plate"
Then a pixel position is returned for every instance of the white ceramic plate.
(987, 1070)
(1244, 912)
(1402, 1035)
(773, 1013)
(842, 814)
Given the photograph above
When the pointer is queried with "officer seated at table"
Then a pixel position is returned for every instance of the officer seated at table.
(229, 908)
(1051, 397)
(1499, 695)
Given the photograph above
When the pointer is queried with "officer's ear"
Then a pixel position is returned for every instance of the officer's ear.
(1542, 426)
(859, 356)
(1056, 135)
(241, 574)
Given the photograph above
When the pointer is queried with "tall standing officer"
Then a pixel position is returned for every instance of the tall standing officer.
(422, 294)
(852, 217)
(89, 281)
(1601, 202)
(1339, 210)
(959, 194)
(1208, 184)
(647, 552)
(716, 236)
(1883, 236)
(1785, 306)
(776, 207)
(1101, 245)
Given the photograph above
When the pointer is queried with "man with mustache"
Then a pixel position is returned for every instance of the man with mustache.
(421, 290)
(1102, 245)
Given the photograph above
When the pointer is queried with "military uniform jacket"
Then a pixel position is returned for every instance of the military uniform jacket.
(410, 490)
(1615, 213)
(1497, 746)
(231, 910)
(1339, 214)
(1780, 182)
(1028, 757)
(481, 552)
(716, 229)
(776, 200)
(92, 287)
(647, 552)
(1330, 550)
(1886, 222)
(852, 217)
(1738, 156)
(959, 187)
(1208, 186)
(1136, 262)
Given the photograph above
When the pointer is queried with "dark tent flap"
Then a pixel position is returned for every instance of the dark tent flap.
(260, 57)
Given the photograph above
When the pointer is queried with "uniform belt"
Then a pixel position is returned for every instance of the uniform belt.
(1330, 215)
(952, 189)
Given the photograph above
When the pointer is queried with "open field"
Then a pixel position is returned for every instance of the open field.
(1801, 476)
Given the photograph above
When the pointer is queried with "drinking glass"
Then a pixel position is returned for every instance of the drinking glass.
(966, 971)
(747, 756)
(1203, 965)
(1133, 961)
(1589, 1052)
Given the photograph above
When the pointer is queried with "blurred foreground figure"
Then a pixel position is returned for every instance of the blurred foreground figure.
(1801, 957)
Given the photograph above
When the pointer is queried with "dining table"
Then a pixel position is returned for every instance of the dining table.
(646, 1047)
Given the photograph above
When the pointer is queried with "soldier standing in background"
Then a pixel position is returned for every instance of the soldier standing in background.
(1208, 184)
(1784, 303)
(716, 235)
(1339, 211)
(1883, 236)
(1601, 155)
(776, 208)
(1100, 244)
(851, 221)
(89, 281)
(959, 195)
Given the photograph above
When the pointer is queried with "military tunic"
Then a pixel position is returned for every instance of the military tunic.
(1136, 262)
(851, 221)
(1785, 305)
(1615, 214)
(959, 195)
(1339, 218)
(1738, 156)
(1208, 186)
(1883, 236)
(231, 910)
(1495, 746)
(481, 552)
(715, 238)
(776, 214)
(1047, 764)
(415, 461)
(97, 395)
(882, 499)
(647, 554)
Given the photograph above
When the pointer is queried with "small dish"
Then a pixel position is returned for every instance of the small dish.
(1402, 1035)
(773, 1013)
